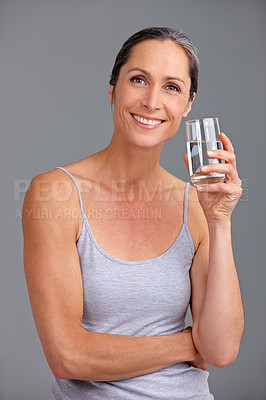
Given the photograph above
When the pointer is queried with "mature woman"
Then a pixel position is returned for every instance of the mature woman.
(123, 247)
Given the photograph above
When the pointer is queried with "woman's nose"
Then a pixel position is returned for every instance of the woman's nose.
(152, 99)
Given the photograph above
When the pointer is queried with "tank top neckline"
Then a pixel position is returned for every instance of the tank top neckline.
(86, 225)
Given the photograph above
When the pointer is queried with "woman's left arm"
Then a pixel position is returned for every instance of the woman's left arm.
(216, 304)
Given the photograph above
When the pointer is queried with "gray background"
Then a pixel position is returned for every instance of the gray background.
(55, 59)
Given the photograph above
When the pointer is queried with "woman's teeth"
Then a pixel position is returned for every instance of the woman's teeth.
(146, 121)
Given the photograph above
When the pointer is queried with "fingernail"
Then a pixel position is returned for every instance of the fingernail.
(211, 153)
(203, 168)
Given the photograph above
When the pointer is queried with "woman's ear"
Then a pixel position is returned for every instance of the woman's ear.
(111, 94)
(189, 106)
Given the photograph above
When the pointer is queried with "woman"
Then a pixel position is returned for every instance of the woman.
(127, 246)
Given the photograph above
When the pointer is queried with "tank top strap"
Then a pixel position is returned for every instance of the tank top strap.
(186, 203)
(73, 179)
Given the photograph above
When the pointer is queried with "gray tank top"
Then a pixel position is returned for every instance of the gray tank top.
(137, 298)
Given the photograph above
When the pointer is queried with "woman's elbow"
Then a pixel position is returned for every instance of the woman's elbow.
(60, 361)
(58, 372)
(224, 358)
(69, 366)
(60, 367)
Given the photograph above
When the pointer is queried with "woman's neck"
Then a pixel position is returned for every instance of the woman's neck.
(129, 163)
(126, 168)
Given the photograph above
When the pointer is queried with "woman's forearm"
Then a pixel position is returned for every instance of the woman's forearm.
(221, 323)
(107, 357)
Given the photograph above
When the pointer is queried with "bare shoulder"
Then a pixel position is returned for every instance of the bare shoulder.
(53, 188)
(196, 220)
(196, 217)
(53, 193)
(55, 185)
(197, 223)
(51, 203)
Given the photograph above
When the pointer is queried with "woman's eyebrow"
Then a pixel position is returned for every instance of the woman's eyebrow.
(148, 74)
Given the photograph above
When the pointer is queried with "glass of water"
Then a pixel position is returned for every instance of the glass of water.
(202, 136)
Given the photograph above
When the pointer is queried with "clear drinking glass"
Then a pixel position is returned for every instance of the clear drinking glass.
(203, 135)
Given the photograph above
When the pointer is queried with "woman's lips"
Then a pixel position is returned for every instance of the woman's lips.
(146, 121)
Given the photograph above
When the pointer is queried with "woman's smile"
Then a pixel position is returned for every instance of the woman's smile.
(147, 122)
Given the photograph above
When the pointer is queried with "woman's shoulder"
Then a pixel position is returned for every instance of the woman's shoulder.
(55, 187)
(180, 186)
(53, 196)
(195, 218)
(51, 190)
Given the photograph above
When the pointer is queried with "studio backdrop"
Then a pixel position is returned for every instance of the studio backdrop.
(55, 60)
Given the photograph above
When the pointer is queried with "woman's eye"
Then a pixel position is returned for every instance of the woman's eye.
(137, 79)
(173, 88)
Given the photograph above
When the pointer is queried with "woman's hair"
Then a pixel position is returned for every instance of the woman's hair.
(176, 35)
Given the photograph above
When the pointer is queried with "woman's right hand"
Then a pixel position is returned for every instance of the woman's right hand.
(198, 361)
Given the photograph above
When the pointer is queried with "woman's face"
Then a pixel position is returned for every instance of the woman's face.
(152, 93)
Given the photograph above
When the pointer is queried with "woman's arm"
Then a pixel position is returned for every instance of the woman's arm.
(54, 283)
(217, 310)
